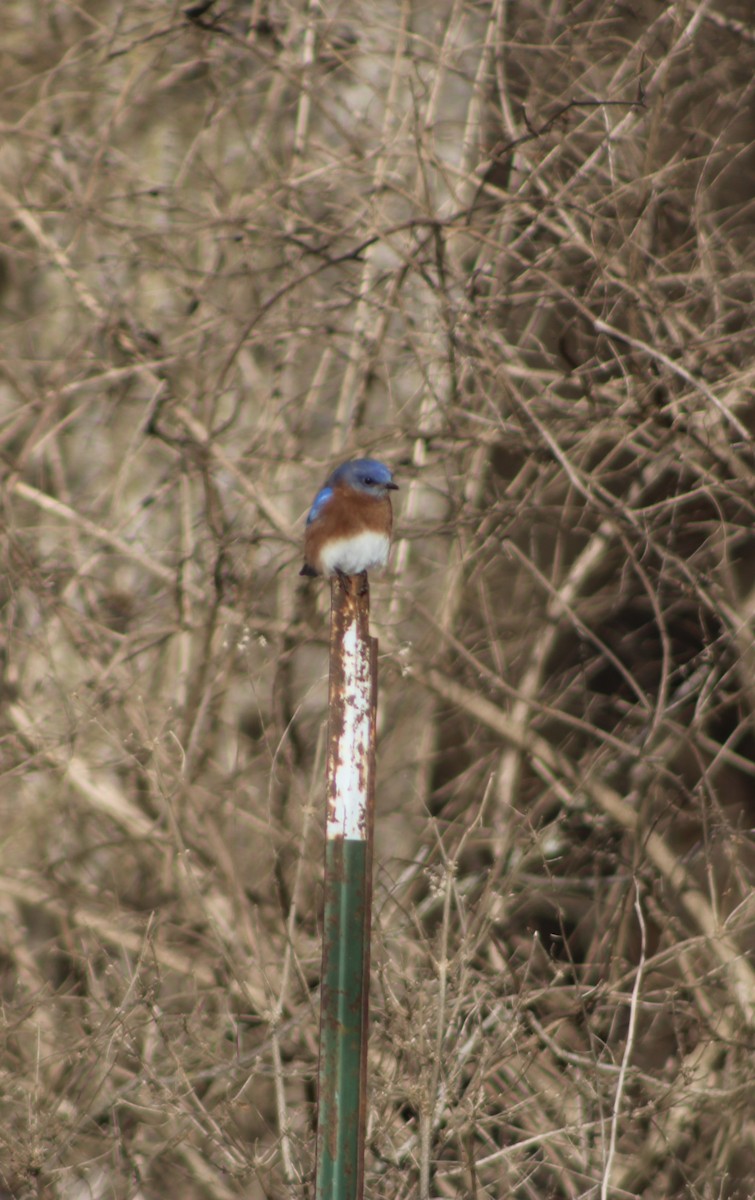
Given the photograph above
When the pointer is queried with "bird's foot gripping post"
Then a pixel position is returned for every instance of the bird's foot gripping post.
(348, 582)
(348, 894)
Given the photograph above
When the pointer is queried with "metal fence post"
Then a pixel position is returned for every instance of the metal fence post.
(348, 894)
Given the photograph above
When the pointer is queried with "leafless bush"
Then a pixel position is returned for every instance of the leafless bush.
(507, 248)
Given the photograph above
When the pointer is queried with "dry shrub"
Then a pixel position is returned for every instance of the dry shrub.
(507, 248)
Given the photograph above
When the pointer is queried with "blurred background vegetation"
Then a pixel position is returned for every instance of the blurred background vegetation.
(507, 247)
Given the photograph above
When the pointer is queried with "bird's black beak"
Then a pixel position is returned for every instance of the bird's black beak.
(392, 487)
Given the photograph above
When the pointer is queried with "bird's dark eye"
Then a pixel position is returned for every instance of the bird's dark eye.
(368, 480)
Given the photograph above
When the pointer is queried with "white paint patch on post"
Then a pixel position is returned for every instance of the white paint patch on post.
(350, 767)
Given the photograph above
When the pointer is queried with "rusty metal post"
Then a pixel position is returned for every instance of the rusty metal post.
(348, 894)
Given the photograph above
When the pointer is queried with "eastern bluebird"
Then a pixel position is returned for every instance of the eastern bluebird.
(349, 524)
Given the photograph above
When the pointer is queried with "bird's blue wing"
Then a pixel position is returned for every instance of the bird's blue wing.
(318, 504)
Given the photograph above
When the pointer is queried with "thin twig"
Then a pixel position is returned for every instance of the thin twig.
(634, 1006)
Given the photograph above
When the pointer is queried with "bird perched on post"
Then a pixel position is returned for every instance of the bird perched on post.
(350, 521)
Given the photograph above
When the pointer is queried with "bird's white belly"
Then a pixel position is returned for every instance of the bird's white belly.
(355, 554)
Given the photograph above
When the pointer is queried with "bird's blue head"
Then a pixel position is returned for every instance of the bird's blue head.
(366, 475)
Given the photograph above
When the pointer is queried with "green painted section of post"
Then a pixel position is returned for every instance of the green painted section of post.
(342, 1029)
